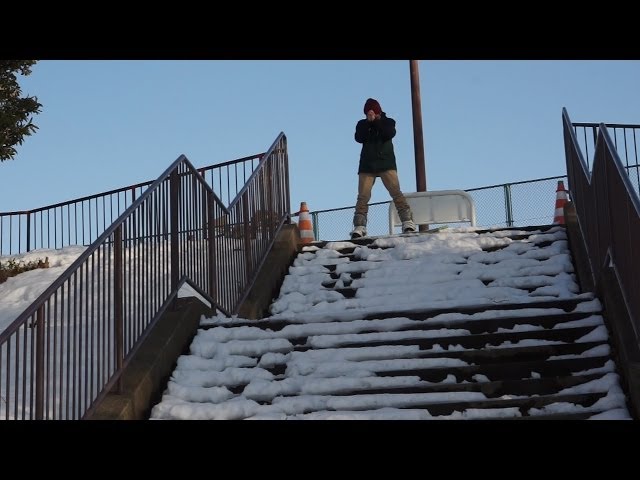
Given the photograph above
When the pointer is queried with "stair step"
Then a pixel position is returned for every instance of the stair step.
(506, 371)
(505, 354)
(531, 228)
(491, 325)
(513, 370)
(518, 354)
(559, 416)
(485, 325)
(479, 341)
(524, 404)
(494, 368)
(492, 356)
(567, 305)
(492, 389)
(447, 408)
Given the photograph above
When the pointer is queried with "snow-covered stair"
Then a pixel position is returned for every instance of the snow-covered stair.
(461, 324)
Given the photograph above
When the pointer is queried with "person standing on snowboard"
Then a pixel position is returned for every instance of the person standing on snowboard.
(377, 159)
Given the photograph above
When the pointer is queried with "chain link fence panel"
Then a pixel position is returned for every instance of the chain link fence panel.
(517, 204)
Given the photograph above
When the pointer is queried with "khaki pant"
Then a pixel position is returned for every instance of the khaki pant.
(392, 184)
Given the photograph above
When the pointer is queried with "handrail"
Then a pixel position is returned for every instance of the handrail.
(64, 276)
(617, 163)
(64, 376)
(81, 220)
(256, 170)
(82, 199)
(608, 211)
(249, 209)
(129, 187)
(68, 348)
(609, 125)
(626, 142)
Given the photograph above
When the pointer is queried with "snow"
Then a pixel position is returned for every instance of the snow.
(239, 368)
(325, 378)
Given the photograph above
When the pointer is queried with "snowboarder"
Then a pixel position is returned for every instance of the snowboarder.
(377, 159)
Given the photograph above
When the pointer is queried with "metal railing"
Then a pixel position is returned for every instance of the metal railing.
(257, 213)
(525, 203)
(82, 220)
(67, 350)
(625, 140)
(608, 210)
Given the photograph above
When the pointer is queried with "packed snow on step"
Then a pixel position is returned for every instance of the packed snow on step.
(276, 377)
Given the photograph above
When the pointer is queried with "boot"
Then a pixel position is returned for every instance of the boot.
(359, 231)
(408, 226)
(406, 216)
(359, 226)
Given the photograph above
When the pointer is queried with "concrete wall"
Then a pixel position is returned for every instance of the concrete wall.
(272, 273)
(145, 377)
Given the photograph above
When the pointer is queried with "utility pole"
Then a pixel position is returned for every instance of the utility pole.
(418, 142)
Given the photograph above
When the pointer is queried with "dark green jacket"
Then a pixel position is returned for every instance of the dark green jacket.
(377, 148)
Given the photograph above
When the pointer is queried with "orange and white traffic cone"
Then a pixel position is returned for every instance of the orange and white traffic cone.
(304, 224)
(561, 199)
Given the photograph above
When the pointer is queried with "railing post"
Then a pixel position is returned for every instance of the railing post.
(174, 191)
(213, 287)
(134, 233)
(40, 363)
(205, 213)
(507, 204)
(270, 187)
(285, 159)
(316, 227)
(247, 236)
(28, 231)
(118, 304)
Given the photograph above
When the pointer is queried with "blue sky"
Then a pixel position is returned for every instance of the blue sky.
(107, 123)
